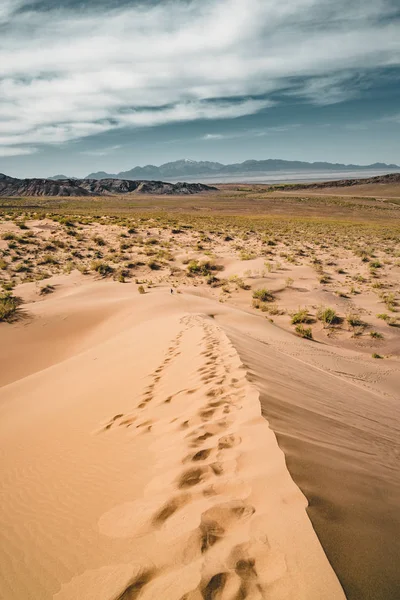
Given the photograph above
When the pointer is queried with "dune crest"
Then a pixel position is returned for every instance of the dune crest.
(182, 490)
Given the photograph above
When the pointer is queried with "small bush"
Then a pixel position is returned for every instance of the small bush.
(8, 235)
(154, 265)
(304, 332)
(375, 355)
(141, 289)
(99, 240)
(327, 315)
(102, 268)
(47, 289)
(263, 295)
(376, 335)
(8, 306)
(301, 316)
(354, 320)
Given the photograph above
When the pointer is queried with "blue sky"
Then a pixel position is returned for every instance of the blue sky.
(107, 85)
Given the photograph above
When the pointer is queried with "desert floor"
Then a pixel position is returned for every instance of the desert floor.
(200, 397)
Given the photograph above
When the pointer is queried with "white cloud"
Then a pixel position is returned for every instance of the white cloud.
(15, 151)
(66, 75)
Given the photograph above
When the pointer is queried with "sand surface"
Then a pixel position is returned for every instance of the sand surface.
(136, 462)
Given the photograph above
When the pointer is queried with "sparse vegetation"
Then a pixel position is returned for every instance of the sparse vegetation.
(8, 306)
(301, 316)
(304, 332)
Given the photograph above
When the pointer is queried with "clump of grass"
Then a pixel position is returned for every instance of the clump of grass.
(390, 300)
(354, 320)
(99, 240)
(301, 316)
(202, 268)
(3, 264)
(324, 279)
(141, 289)
(375, 264)
(327, 316)
(102, 268)
(244, 255)
(47, 289)
(154, 265)
(263, 295)
(8, 306)
(375, 355)
(8, 235)
(376, 335)
(304, 332)
(48, 259)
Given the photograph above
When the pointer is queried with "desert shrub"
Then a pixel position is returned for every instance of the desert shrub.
(390, 300)
(304, 332)
(102, 268)
(324, 279)
(328, 316)
(376, 335)
(8, 306)
(154, 265)
(375, 264)
(202, 268)
(354, 320)
(141, 289)
(47, 289)
(263, 295)
(244, 255)
(48, 259)
(289, 282)
(301, 316)
(3, 264)
(375, 355)
(99, 240)
(8, 235)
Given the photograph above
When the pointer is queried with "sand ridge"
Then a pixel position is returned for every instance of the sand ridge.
(199, 503)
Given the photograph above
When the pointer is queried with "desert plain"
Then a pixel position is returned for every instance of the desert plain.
(200, 396)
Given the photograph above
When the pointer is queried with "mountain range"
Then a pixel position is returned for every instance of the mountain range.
(10, 186)
(190, 168)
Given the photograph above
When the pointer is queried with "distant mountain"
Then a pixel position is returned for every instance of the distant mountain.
(190, 168)
(58, 177)
(10, 186)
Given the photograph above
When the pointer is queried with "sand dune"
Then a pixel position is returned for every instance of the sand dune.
(136, 462)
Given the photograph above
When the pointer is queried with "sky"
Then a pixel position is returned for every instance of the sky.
(110, 84)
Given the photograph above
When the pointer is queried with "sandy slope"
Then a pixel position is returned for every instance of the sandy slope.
(136, 463)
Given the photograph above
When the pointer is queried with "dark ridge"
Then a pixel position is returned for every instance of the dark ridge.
(389, 178)
(10, 186)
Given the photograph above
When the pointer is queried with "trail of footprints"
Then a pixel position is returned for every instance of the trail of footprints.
(208, 471)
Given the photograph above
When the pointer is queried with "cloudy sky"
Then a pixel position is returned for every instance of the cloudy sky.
(110, 84)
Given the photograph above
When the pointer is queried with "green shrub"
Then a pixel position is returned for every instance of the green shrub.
(8, 306)
(376, 335)
(263, 295)
(8, 235)
(141, 289)
(301, 316)
(375, 355)
(327, 315)
(304, 332)
(102, 268)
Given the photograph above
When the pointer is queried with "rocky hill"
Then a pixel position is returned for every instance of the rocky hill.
(10, 186)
